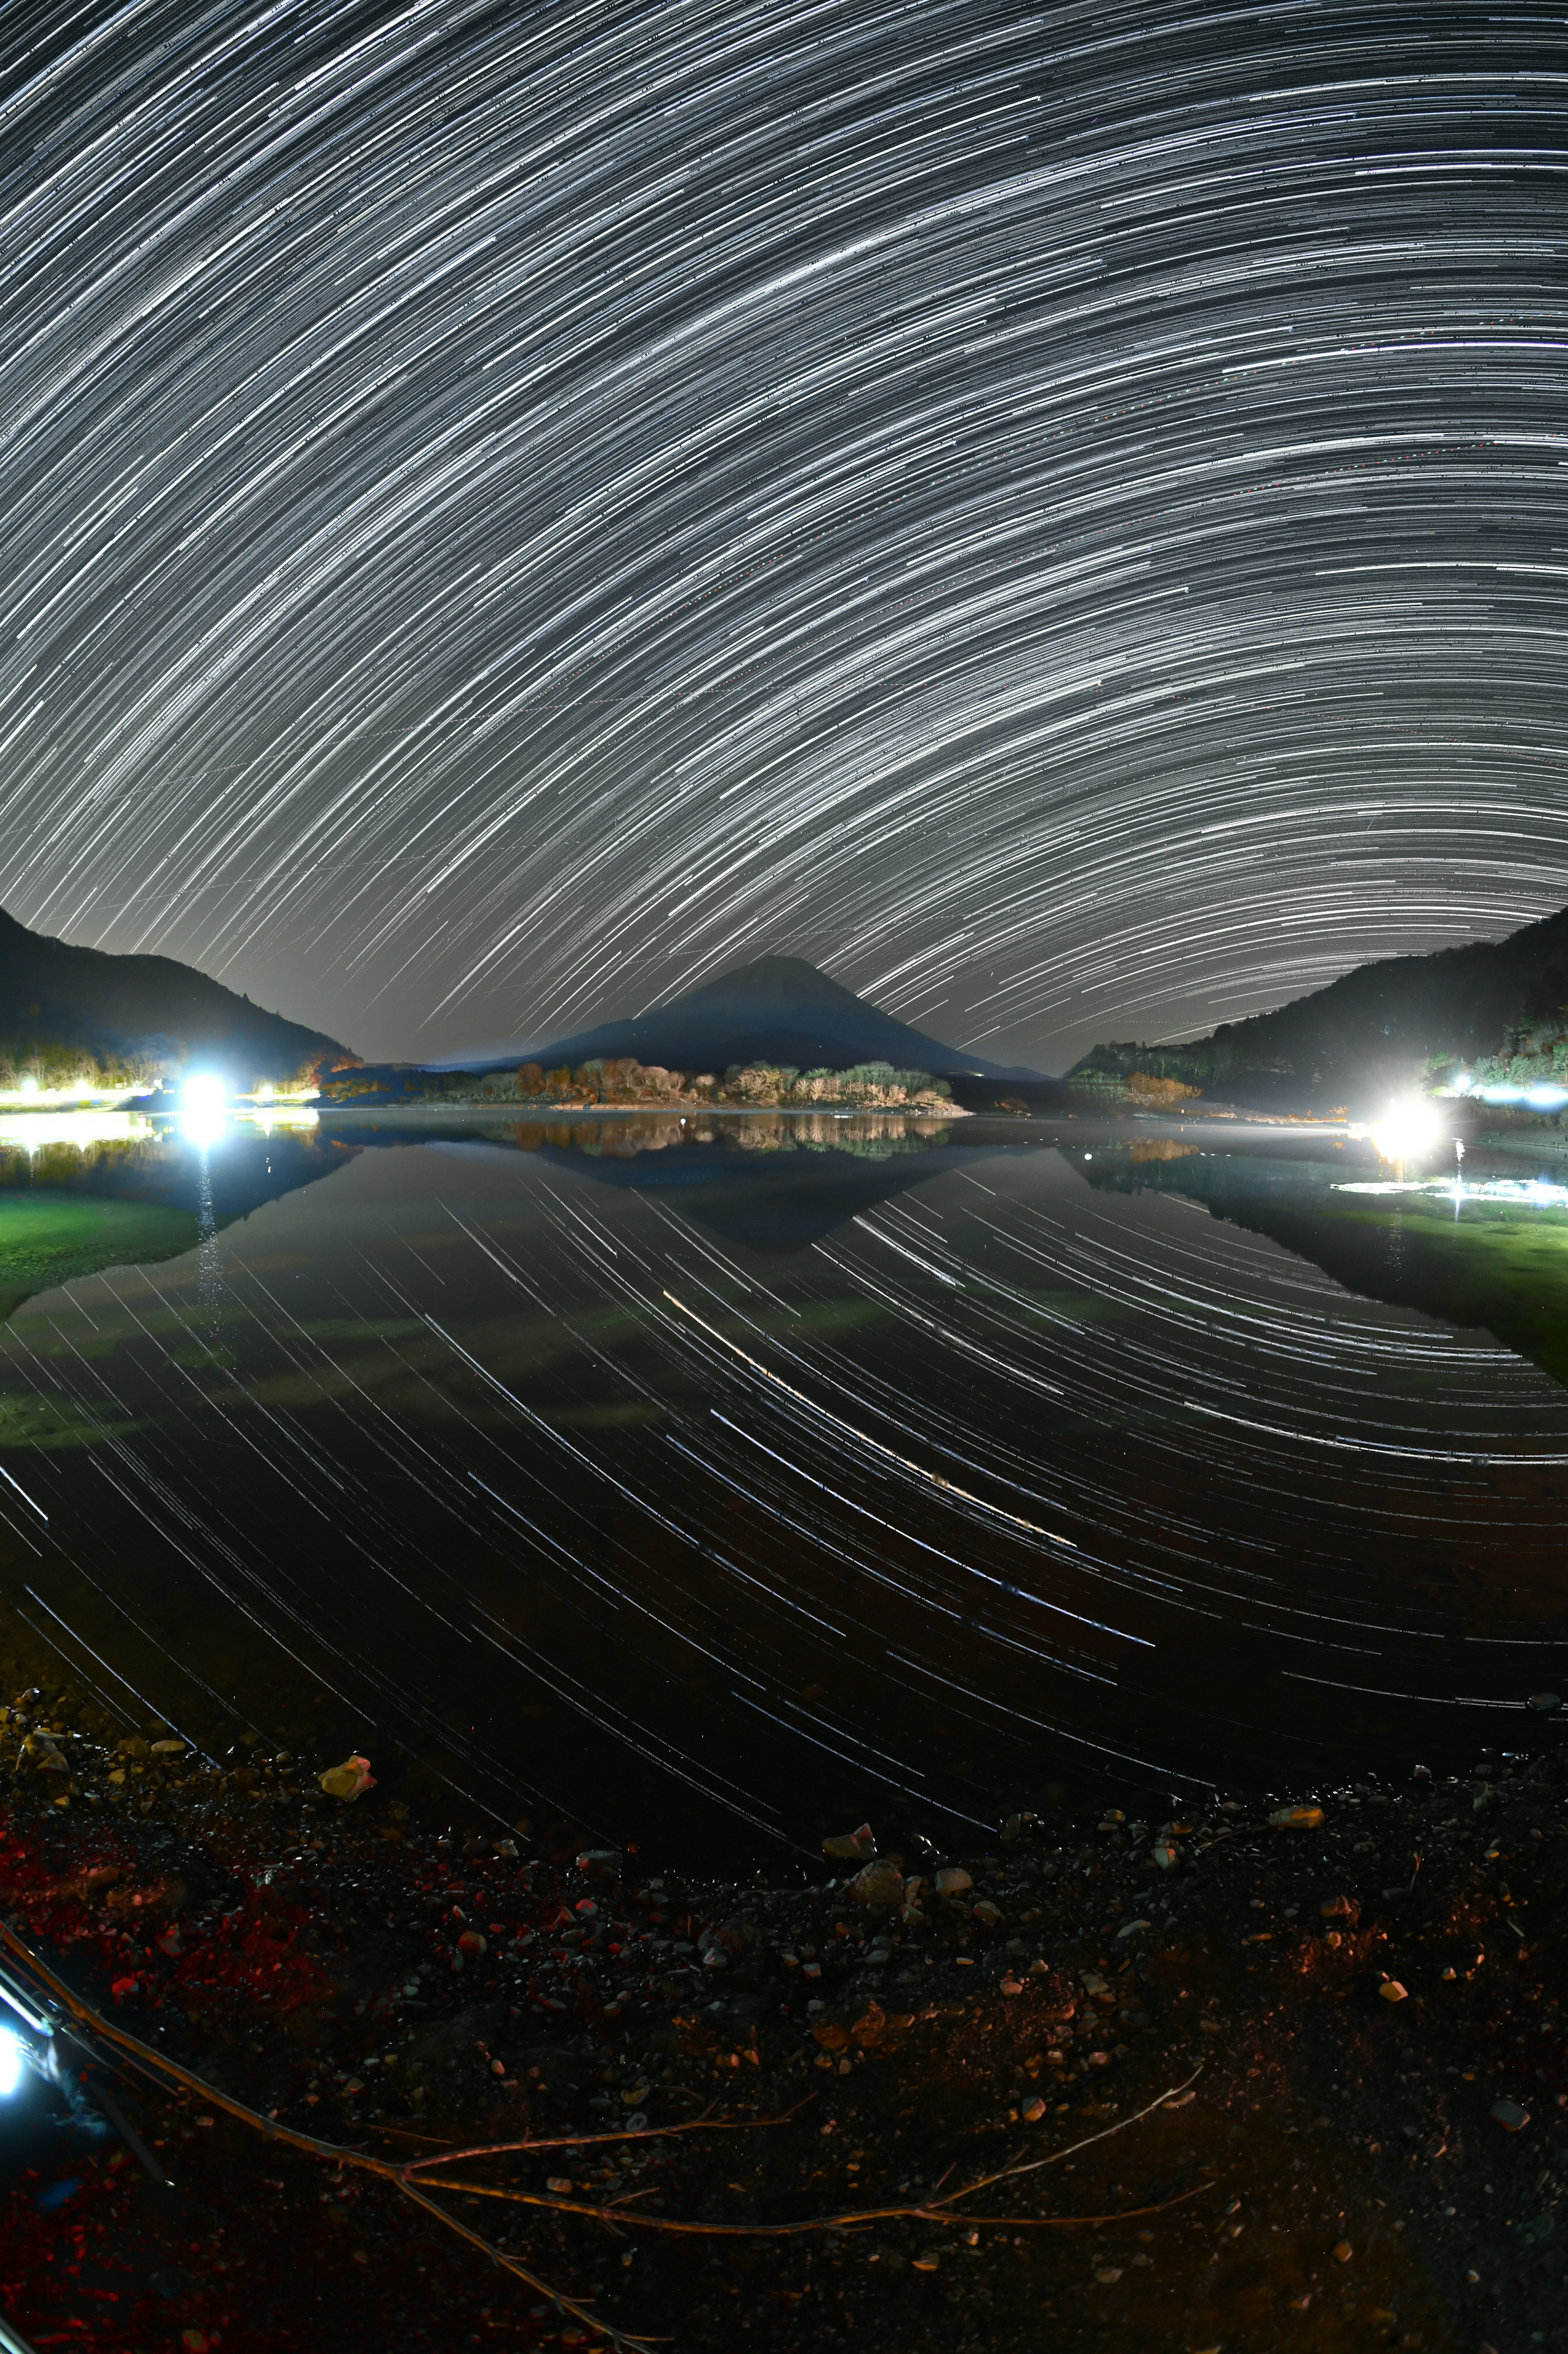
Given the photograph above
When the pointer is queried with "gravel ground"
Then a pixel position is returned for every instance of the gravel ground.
(1295, 2067)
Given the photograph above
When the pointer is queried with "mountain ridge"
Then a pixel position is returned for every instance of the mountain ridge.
(1381, 1026)
(146, 1011)
(775, 1009)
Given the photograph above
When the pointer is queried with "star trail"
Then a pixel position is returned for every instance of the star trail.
(1057, 517)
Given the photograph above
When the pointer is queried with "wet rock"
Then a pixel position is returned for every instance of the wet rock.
(349, 1780)
(853, 1846)
(1510, 2114)
(879, 1884)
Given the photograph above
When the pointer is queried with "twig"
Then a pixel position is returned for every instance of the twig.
(389, 2170)
(407, 2133)
(1054, 2156)
(1068, 2222)
(930, 2210)
(707, 2122)
(925, 2213)
(558, 2298)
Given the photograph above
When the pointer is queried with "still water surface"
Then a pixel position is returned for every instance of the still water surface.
(709, 1490)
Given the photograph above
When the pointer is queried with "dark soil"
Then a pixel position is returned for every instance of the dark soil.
(1329, 2174)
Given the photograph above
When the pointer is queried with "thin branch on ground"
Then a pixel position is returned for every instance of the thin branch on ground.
(615, 2215)
(707, 2122)
(620, 2212)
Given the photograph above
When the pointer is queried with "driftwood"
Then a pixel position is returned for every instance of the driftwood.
(407, 2177)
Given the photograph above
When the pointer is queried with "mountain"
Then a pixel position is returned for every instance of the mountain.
(779, 1009)
(139, 1010)
(1376, 1028)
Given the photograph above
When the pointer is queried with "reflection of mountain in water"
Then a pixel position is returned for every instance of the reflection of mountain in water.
(762, 1183)
(1495, 1267)
(70, 1209)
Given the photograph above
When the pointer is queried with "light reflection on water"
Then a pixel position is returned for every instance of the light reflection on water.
(31, 1132)
(785, 1467)
(1534, 1192)
(37, 1132)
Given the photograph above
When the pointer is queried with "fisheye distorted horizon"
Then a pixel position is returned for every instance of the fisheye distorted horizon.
(1058, 519)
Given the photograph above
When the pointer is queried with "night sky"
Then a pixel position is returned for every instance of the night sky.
(1059, 518)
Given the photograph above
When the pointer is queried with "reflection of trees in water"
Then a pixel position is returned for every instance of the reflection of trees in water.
(869, 1135)
(63, 1162)
(1160, 1148)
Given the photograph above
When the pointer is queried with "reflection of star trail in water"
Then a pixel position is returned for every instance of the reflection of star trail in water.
(1002, 1470)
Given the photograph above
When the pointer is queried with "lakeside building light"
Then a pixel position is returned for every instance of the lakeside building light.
(1536, 1095)
(1409, 1131)
(205, 1094)
(29, 1096)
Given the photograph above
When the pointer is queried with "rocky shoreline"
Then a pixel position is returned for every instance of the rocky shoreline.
(1277, 2074)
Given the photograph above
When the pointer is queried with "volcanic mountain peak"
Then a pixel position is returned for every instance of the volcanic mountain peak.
(775, 1008)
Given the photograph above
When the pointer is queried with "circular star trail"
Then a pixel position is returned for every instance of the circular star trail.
(1059, 518)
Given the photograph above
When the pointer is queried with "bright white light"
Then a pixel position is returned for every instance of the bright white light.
(1410, 1129)
(29, 1084)
(11, 2062)
(205, 1094)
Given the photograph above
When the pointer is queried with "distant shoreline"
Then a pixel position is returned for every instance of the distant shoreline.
(489, 1111)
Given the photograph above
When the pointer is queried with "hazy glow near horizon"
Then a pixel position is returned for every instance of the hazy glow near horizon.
(1059, 521)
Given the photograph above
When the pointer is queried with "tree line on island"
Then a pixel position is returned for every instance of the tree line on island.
(622, 1081)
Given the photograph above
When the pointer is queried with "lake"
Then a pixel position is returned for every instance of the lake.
(715, 1484)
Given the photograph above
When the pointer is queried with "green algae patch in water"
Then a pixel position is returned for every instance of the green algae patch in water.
(49, 1237)
(1498, 1266)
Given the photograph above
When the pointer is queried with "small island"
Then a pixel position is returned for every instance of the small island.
(622, 1083)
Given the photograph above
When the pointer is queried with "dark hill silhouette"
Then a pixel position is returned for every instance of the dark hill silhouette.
(777, 1010)
(141, 1007)
(1374, 1028)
